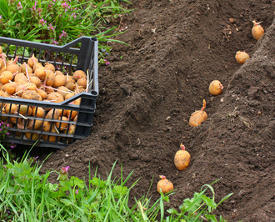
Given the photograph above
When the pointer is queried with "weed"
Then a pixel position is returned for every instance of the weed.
(199, 208)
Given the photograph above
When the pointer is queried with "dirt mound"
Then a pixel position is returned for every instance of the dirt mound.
(176, 48)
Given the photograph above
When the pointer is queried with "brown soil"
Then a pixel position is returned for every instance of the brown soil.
(176, 48)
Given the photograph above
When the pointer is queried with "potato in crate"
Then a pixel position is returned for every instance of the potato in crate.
(48, 93)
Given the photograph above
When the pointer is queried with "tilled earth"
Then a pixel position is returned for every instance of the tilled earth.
(175, 49)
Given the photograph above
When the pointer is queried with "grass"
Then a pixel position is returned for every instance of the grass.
(27, 195)
(62, 21)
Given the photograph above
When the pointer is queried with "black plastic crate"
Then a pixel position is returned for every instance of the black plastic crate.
(21, 114)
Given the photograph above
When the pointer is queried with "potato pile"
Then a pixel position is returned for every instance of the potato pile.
(35, 81)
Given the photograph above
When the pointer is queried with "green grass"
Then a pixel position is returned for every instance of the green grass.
(27, 195)
(45, 20)
(62, 21)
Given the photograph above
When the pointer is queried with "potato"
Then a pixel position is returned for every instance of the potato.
(20, 88)
(70, 85)
(49, 90)
(10, 88)
(82, 82)
(69, 95)
(32, 95)
(3, 117)
(59, 73)
(37, 65)
(20, 123)
(35, 124)
(59, 80)
(55, 97)
(49, 66)
(182, 158)
(11, 108)
(32, 61)
(53, 114)
(71, 114)
(47, 126)
(5, 77)
(79, 74)
(50, 77)
(63, 91)
(25, 68)
(20, 78)
(80, 89)
(69, 79)
(51, 139)
(40, 72)
(35, 80)
(13, 120)
(2, 64)
(164, 185)
(4, 93)
(63, 126)
(42, 93)
(32, 136)
(13, 68)
(25, 110)
(30, 86)
(71, 129)
(38, 112)
(198, 116)
(77, 102)
(46, 108)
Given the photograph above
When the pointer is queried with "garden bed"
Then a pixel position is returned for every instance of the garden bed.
(176, 48)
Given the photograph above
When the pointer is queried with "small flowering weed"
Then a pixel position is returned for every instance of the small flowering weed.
(4, 133)
(3, 130)
(59, 22)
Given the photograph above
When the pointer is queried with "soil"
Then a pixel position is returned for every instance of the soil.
(175, 49)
